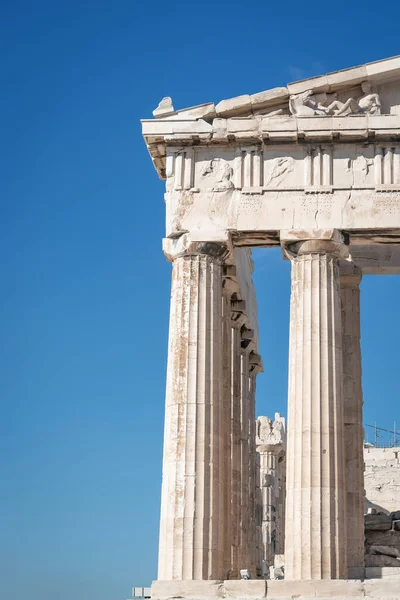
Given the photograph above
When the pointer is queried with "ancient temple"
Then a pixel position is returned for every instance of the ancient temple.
(313, 167)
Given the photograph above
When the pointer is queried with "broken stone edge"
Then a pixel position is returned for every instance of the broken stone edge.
(374, 72)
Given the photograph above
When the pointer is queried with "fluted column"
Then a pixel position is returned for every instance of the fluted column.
(190, 528)
(236, 473)
(271, 440)
(225, 521)
(255, 367)
(260, 564)
(315, 532)
(244, 460)
(350, 278)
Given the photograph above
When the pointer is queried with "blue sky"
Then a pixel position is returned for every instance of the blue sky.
(85, 287)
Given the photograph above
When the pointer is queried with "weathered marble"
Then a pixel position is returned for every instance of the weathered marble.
(271, 447)
(313, 167)
(315, 539)
(350, 278)
(190, 532)
(382, 479)
(386, 588)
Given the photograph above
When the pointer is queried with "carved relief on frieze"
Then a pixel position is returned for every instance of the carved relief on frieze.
(220, 173)
(242, 170)
(307, 104)
(278, 169)
(282, 167)
(359, 168)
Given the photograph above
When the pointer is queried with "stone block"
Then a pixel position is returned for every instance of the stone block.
(386, 550)
(388, 589)
(280, 123)
(290, 589)
(242, 124)
(251, 588)
(383, 68)
(164, 108)
(380, 560)
(382, 538)
(202, 111)
(336, 589)
(234, 106)
(383, 573)
(348, 76)
(356, 573)
(378, 522)
(268, 98)
(162, 590)
(317, 84)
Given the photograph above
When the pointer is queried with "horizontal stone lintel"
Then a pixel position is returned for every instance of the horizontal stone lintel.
(358, 237)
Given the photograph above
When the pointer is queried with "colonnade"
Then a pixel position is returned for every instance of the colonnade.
(208, 509)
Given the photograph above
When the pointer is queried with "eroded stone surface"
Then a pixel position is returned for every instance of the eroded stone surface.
(384, 589)
(271, 449)
(313, 167)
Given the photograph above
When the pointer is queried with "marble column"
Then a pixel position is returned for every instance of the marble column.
(244, 459)
(236, 473)
(190, 527)
(255, 367)
(315, 531)
(271, 448)
(225, 523)
(350, 278)
(260, 562)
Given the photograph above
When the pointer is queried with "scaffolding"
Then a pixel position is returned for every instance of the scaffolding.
(380, 437)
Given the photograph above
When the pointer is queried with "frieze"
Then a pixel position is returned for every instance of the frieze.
(307, 167)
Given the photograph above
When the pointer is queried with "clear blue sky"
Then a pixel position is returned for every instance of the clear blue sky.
(84, 284)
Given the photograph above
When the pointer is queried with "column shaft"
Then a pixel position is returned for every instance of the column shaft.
(315, 540)
(350, 278)
(271, 441)
(192, 481)
(260, 566)
(236, 473)
(252, 475)
(226, 454)
(244, 462)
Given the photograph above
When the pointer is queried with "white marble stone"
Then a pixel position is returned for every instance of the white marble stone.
(315, 168)
(382, 478)
(315, 538)
(190, 528)
(384, 589)
(271, 447)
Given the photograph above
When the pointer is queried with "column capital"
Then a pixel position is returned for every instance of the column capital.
(296, 243)
(185, 245)
(350, 275)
